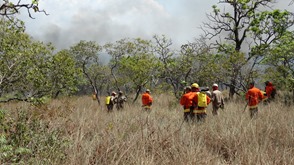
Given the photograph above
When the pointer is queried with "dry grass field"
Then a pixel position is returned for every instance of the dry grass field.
(87, 134)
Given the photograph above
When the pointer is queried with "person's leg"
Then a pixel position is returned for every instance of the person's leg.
(109, 108)
(198, 117)
(253, 112)
(186, 116)
(118, 106)
(202, 117)
(192, 114)
(214, 110)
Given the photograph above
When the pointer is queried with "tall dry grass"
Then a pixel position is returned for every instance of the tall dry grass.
(132, 136)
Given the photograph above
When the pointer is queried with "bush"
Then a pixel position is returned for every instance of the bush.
(27, 139)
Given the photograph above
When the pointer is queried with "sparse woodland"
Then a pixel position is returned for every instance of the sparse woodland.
(47, 115)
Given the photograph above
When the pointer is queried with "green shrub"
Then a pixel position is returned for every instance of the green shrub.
(24, 139)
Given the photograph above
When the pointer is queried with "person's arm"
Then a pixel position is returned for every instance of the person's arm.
(260, 96)
(247, 96)
(195, 101)
(207, 99)
(150, 100)
(222, 101)
(213, 97)
(182, 100)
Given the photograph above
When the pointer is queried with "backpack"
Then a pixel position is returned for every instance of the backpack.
(202, 101)
(107, 100)
(94, 97)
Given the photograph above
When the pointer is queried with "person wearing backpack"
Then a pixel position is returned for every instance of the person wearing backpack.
(270, 91)
(217, 99)
(110, 101)
(195, 90)
(201, 101)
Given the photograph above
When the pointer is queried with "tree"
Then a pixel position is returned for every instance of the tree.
(86, 54)
(247, 19)
(21, 59)
(169, 64)
(132, 63)
(28, 69)
(199, 62)
(117, 50)
(64, 75)
(280, 62)
(194, 63)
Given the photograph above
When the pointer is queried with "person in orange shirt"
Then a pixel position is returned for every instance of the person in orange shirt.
(253, 97)
(186, 101)
(147, 100)
(270, 90)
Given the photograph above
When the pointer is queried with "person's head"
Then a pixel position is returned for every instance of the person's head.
(187, 89)
(120, 92)
(214, 86)
(195, 87)
(147, 91)
(251, 84)
(113, 93)
(268, 83)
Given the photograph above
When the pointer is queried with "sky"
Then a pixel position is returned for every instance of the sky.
(103, 21)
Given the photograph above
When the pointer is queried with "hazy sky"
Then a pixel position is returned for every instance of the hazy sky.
(70, 21)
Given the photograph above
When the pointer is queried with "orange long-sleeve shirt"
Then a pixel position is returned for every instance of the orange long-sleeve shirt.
(269, 89)
(187, 99)
(146, 99)
(254, 96)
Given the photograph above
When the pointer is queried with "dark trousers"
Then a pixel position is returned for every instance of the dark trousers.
(119, 106)
(253, 112)
(109, 107)
(189, 115)
(201, 117)
(215, 110)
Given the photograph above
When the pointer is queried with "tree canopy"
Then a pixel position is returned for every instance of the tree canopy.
(255, 41)
(255, 22)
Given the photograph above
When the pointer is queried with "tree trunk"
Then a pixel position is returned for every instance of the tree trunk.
(137, 93)
(96, 93)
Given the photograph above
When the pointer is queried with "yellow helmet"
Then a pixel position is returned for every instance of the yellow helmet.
(195, 85)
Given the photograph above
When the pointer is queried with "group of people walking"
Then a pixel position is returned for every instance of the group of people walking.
(118, 100)
(115, 99)
(254, 96)
(195, 102)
